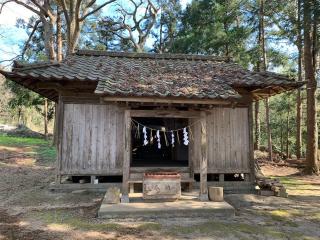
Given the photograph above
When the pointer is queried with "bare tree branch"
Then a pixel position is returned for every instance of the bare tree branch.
(95, 10)
(45, 11)
(143, 30)
(90, 4)
(29, 38)
(10, 60)
(22, 4)
(4, 3)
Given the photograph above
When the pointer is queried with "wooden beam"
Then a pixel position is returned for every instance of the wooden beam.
(126, 157)
(224, 170)
(165, 113)
(167, 100)
(203, 195)
(48, 85)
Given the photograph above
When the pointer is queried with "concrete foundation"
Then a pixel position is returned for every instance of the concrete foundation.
(187, 206)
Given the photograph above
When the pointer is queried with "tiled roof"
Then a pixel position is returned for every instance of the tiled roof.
(144, 74)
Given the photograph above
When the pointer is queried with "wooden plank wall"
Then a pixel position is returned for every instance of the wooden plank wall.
(228, 141)
(92, 140)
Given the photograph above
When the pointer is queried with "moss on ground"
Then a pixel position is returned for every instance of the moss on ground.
(70, 221)
(237, 230)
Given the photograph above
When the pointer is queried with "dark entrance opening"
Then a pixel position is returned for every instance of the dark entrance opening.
(152, 156)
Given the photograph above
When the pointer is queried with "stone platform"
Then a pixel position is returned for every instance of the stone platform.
(187, 206)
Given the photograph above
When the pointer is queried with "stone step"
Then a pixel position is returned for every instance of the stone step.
(180, 208)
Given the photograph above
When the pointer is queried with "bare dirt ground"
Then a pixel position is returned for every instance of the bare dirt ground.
(29, 211)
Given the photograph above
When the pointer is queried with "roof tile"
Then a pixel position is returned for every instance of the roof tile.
(143, 74)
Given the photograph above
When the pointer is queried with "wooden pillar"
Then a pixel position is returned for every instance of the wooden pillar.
(190, 157)
(126, 157)
(131, 187)
(59, 119)
(92, 178)
(203, 195)
(221, 177)
(251, 147)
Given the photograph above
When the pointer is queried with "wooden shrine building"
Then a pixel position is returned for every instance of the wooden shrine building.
(110, 103)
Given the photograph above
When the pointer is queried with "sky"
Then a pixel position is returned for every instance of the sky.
(11, 37)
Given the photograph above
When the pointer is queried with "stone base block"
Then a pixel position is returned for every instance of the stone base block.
(112, 196)
(266, 193)
(216, 194)
(165, 186)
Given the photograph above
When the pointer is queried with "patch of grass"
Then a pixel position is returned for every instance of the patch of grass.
(238, 230)
(283, 215)
(21, 141)
(208, 228)
(47, 153)
(69, 221)
(38, 148)
(309, 238)
(280, 215)
(150, 227)
(315, 217)
(65, 218)
(298, 187)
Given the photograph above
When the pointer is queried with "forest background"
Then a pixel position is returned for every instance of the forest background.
(274, 35)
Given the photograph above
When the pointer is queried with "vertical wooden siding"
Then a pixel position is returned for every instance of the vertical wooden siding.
(92, 140)
(228, 141)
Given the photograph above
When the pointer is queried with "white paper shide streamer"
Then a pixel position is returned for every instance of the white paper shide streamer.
(145, 141)
(172, 138)
(185, 137)
(158, 139)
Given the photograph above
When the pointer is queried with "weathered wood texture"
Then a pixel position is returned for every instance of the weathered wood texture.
(126, 156)
(92, 139)
(228, 141)
(204, 158)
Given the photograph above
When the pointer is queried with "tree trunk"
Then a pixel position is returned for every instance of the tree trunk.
(46, 118)
(73, 34)
(287, 143)
(227, 51)
(298, 99)
(161, 47)
(268, 129)
(59, 36)
(48, 38)
(19, 115)
(263, 57)
(312, 133)
(55, 126)
(298, 120)
(281, 137)
(257, 126)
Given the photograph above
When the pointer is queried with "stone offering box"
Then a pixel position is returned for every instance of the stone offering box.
(162, 185)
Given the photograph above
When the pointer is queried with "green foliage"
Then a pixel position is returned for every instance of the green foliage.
(21, 141)
(283, 121)
(41, 149)
(213, 27)
(22, 96)
(166, 28)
